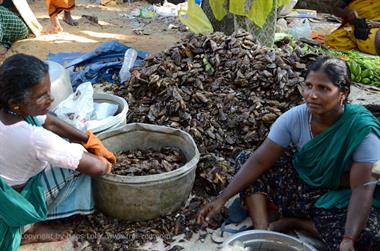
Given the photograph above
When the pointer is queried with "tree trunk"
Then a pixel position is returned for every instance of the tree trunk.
(226, 25)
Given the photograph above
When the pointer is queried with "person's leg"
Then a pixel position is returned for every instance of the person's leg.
(68, 19)
(340, 39)
(369, 45)
(278, 186)
(67, 193)
(256, 205)
(57, 6)
(286, 224)
(55, 25)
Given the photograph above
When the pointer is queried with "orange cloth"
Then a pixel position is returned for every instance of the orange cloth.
(57, 6)
(95, 146)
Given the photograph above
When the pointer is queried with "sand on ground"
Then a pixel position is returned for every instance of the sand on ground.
(113, 24)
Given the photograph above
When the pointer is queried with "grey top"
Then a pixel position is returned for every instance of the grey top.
(292, 127)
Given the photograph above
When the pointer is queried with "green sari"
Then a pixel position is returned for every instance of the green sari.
(20, 209)
(325, 158)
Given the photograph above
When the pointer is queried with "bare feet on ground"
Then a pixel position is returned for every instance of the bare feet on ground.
(45, 232)
(68, 19)
(56, 26)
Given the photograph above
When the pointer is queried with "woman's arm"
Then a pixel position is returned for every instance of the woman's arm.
(92, 165)
(63, 129)
(360, 202)
(260, 161)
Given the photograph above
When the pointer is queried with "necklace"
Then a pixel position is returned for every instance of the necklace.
(11, 112)
(310, 130)
(310, 118)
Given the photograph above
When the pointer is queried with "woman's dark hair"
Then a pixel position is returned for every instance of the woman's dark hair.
(18, 74)
(336, 70)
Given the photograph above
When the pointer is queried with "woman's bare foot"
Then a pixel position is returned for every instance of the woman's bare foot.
(282, 225)
(285, 224)
(68, 19)
(56, 26)
(44, 232)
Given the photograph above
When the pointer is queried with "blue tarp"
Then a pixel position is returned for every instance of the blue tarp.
(99, 65)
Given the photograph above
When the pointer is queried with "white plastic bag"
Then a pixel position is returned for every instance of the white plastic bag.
(104, 110)
(300, 28)
(77, 108)
(102, 115)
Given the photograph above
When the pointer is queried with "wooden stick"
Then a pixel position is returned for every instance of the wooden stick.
(28, 16)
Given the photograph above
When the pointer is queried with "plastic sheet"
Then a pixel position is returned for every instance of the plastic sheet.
(99, 65)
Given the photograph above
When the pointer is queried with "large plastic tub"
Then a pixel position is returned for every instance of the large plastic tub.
(139, 198)
(261, 240)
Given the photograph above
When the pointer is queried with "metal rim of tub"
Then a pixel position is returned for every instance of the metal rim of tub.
(260, 234)
(182, 171)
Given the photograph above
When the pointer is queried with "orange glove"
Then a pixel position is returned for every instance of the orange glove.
(95, 146)
(109, 165)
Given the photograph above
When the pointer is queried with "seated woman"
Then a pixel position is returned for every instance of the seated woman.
(344, 38)
(322, 187)
(12, 27)
(42, 176)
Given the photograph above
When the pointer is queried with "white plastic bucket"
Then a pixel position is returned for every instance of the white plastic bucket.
(60, 83)
(119, 119)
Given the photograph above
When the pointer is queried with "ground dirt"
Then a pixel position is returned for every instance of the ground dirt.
(113, 25)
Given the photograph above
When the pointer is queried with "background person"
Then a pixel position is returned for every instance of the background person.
(57, 6)
(344, 37)
(12, 27)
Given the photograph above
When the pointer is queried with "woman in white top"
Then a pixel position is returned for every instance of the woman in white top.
(33, 146)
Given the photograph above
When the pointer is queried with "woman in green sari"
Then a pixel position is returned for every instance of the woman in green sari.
(322, 186)
(12, 27)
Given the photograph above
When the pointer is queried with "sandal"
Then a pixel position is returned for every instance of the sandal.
(225, 231)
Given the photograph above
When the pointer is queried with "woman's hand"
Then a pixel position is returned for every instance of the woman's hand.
(346, 245)
(348, 16)
(208, 211)
(95, 146)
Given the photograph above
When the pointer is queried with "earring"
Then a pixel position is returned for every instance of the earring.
(342, 100)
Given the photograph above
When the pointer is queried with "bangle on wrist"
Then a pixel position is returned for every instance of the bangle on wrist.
(348, 237)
